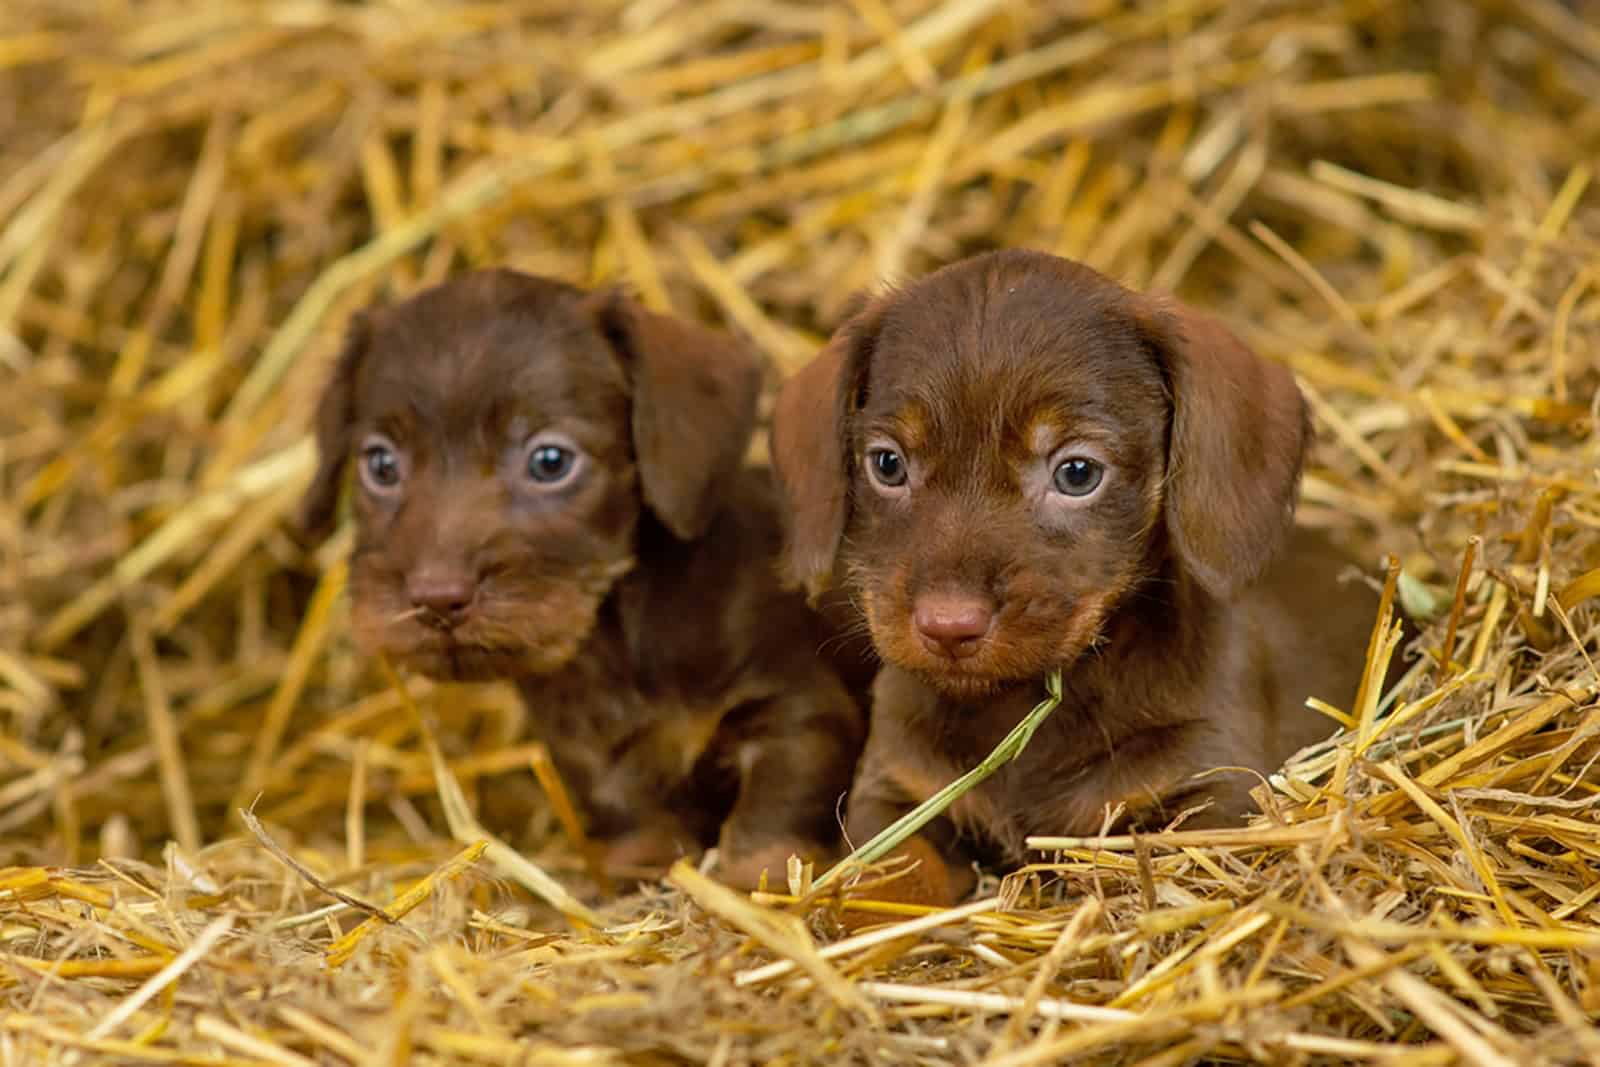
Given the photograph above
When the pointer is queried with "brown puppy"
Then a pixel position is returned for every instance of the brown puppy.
(1015, 466)
(550, 490)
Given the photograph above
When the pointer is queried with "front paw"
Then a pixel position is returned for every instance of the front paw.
(919, 876)
(742, 865)
(646, 854)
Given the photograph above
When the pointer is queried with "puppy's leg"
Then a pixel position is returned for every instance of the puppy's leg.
(794, 754)
(936, 874)
(1220, 802)
(1158, 775)
(645, 852)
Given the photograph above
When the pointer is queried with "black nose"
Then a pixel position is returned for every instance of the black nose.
(442, 597)
(952, 624)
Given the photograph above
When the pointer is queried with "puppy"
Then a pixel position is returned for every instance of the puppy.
(549, 489)
(1016, 466)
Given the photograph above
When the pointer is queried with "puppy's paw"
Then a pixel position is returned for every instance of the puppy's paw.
(921, 877)
(742, 866)
(646, 854)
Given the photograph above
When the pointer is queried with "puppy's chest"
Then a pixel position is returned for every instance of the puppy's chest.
(622, 743)
(1053, 786)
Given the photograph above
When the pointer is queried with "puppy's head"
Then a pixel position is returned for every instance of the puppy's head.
(998, 455)
(507, 432)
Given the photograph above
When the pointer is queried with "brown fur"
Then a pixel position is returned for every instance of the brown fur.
(637, 603)
(1189, 619)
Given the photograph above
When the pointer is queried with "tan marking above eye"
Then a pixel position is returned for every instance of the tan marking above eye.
(1045, 431)
(911, 427)
(1049, 430)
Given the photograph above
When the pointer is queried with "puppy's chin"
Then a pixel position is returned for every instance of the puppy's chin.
(460, 655)
(964, 687)
(448, 660)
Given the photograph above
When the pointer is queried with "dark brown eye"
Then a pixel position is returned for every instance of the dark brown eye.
(551, 460)
(1078, 476)
(381, 469)
(550, 463)
(887, 467)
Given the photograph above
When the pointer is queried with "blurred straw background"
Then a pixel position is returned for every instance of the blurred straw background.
(1395, 200)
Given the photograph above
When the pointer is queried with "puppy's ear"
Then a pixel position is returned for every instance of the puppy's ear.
(810, 450)
(1239, 434)
(694, 407)
(335, 415)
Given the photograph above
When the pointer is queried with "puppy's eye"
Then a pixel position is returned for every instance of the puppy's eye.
(549, 463)
(887, 467)
(1078, 476)
(381, 468)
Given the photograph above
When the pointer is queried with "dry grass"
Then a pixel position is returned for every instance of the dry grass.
(1397, 200)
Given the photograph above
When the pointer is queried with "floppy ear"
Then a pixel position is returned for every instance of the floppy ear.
(1239, 433)
(335, 414)
(810, 451)
(694, 408)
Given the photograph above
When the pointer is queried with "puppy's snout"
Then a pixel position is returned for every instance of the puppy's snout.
(952, 624)
(443, 597)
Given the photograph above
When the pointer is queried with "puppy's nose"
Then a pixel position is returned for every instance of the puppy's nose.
(442, 597)
(952, 624)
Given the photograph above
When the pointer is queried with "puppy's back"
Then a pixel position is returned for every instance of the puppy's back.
(1314, 615)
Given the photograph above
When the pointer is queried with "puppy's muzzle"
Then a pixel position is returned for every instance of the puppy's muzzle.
(952, 625)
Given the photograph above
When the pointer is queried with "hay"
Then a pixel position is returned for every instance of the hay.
(1397, 201)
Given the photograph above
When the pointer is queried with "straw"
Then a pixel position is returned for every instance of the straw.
(1397, 202)
(893, 835)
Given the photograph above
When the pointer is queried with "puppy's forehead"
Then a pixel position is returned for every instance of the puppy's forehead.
(1003, 343)
(469, 355)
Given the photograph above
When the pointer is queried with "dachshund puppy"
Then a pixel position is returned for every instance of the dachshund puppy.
(1016, 466)
(549, 489)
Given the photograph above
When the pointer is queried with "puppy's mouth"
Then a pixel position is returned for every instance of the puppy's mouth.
(977, 677)
(536, 628)
(969, 656)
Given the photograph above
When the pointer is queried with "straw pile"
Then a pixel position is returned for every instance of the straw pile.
(1394, 199)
